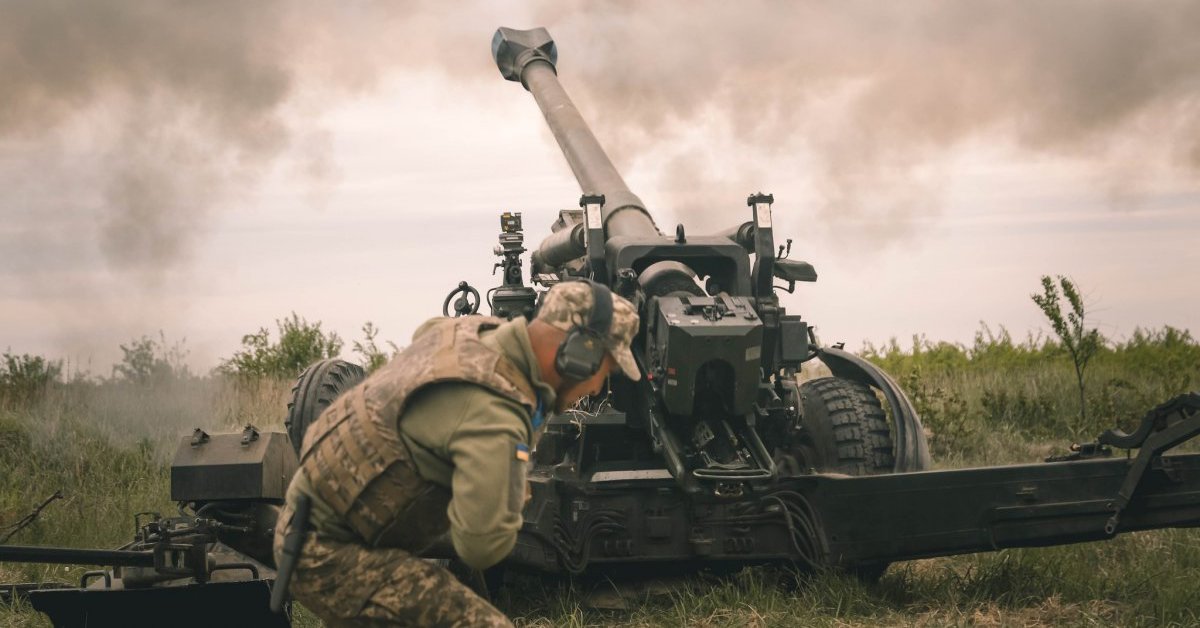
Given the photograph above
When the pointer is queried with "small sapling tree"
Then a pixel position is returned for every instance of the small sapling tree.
(373, 356)
(1081, 343)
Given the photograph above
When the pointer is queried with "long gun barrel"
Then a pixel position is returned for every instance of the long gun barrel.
(75, 556)
(529, 57)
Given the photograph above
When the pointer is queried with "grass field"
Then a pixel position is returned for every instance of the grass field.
(106, 445)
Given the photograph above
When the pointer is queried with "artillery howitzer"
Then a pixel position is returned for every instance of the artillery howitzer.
(717, 457)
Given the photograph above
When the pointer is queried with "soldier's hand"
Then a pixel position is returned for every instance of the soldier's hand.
(528, 492)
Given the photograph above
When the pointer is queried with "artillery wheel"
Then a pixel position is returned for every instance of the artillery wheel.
(315, 389)
(846, 431)
(845, 428)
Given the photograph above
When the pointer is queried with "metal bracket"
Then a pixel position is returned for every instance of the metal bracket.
(1169, 469)
(96, 573)
(1162, 428)
(764, 244)
(593, 221)
(249, 435)
(199, 437)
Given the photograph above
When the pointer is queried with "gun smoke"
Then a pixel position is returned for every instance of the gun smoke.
(861, 101)
(126, 125)
(181, 108)
(185, 104)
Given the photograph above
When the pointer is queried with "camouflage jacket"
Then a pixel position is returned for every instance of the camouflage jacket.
(465, 437)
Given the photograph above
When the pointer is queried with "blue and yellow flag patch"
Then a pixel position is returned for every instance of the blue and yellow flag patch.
(522, 452)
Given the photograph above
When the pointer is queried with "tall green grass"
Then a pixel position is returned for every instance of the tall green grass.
(107, 446)
(999, 400)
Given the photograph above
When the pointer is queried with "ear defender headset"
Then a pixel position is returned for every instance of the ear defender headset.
(582, 351)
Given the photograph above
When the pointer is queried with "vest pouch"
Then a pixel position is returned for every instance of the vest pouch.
(415, 510)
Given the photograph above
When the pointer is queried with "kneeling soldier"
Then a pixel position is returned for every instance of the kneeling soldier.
(437, 440)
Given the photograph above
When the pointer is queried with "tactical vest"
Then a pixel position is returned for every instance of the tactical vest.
(354, 457)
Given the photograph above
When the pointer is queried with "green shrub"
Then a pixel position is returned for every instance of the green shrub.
(944, 413)
(1170, 355)
(300, 343)
(24, 377)
(147, 360)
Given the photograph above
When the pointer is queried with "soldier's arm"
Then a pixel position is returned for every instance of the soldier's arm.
(488, 480)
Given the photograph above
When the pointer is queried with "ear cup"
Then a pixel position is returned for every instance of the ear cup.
(580, 354)
(582, 351)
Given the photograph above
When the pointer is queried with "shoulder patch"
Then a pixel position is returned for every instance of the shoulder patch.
(522, 452)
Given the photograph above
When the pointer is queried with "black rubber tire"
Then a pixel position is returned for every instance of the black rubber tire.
(846, 431)
(317, 387)
(846, 427)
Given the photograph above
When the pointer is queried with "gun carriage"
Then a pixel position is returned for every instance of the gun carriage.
(717, 457)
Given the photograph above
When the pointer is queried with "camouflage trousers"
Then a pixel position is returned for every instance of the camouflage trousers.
(347, 584)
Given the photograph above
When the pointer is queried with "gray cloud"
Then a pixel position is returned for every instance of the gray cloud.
(195, 99)
(870, 93)
(185, 100)
(125, 125)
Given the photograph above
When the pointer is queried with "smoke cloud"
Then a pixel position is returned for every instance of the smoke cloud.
(862, 100)
(191, 102)
(126, 124)
(183, 104)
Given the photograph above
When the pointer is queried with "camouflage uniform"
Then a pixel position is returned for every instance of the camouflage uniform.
(434, 441)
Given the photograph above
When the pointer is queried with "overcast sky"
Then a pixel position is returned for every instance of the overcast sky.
(204, 171)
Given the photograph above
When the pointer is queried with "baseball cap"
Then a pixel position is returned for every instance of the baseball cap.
(569, 304)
